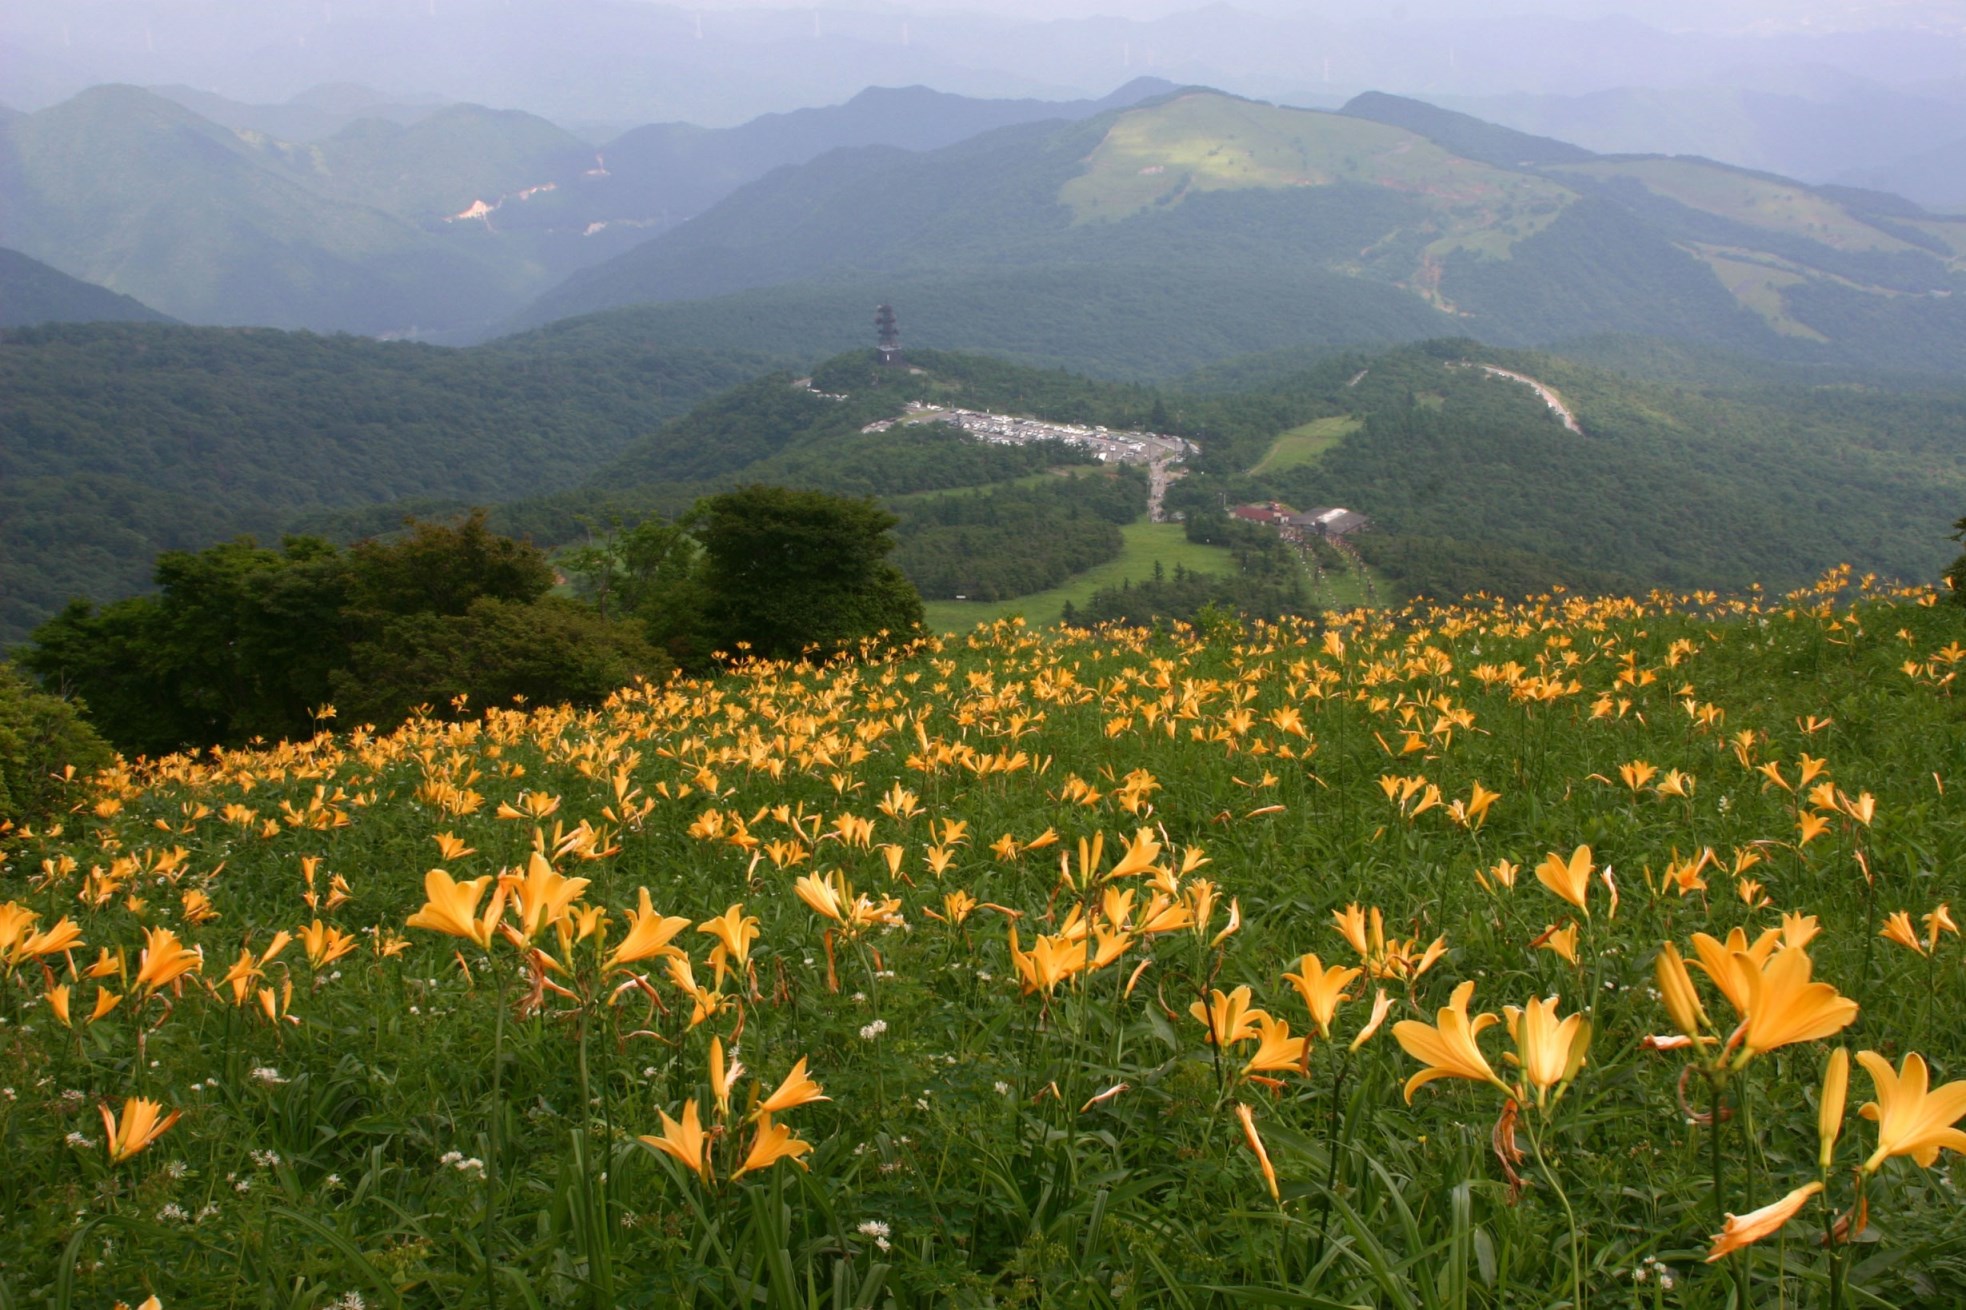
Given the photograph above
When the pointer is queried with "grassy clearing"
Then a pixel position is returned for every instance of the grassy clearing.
(1761, 202)
(1305, 445)
(1145, 543)
(1207, 142)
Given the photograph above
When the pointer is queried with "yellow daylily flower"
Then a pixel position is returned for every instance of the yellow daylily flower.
(1448, 1047)
(1829, 1107)
(451, 907)
(1897, 928)
(1718, 960)
(772, 1143)
(684, 1140)
(1323, 989)
(1562, 941)
(649, 935)
(797, 1089)
(1229, 1018)
(722, 1079)
(1568, 878)
(1910, 1119)
(324, 944)
(1276, 1050)
(542, 896)
(1783, 1006)
(1050, 961)
(1746, 1229)
(165, 960)
(734, 931)
(137, 1127)
(1549, 1051)
(1382, 1005)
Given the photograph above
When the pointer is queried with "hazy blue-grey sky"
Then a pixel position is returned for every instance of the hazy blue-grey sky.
(615, 63)
(1697, 15)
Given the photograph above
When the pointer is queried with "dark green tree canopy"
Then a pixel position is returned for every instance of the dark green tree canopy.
(42, 738)
(791, 571)
(242, 641)
(441, 568)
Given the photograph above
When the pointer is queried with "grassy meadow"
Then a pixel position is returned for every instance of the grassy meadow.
(1304, 444)
(1297, 966)
(1144, 544)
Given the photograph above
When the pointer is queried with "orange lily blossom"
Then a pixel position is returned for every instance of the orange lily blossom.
(63, 936)
(1229, 1018)
(1570, 879)
(1785, 1007)
(734, 931)
(451, 907)
(1910, 1119)
(722, 1078)
(1718, 960)
(1829, 1106)
(325, 944)
(649, 935)
(1549, 1051)
(1323, 989)
(1676, 988)
(684, 1140)
(1050, 961)
(136, 1128)
(772, 1143)
(797, 1089)
(1746, 1229)
(542, 895)
(1382, 1005)
(1276, 1049)
(1897, 928)
(165, 960)
(1448, 1047)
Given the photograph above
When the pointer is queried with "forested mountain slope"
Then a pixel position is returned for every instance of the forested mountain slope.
(118, 441)
(31, 292)
(1690, 469)
(1024, 239)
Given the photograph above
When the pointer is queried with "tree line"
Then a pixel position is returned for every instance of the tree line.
(243, 642)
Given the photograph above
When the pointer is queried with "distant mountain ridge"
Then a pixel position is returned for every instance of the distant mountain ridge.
(1441, 223)
(33, 293)
(413, 224)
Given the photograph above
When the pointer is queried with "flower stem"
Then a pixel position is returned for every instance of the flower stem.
(1576, 1234)
(493, 1137)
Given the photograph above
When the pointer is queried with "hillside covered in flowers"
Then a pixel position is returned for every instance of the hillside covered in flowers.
(1565, 952)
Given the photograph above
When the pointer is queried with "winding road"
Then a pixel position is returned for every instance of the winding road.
(1550, 398)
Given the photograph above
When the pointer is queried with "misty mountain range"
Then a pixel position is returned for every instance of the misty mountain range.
(597, 61)
(443, 219)
(1155, 229)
